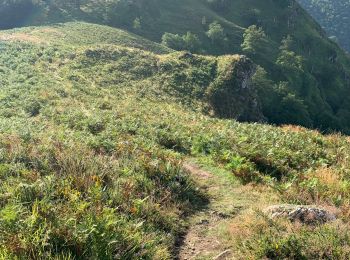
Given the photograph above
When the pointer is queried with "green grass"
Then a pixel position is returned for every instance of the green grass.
(70, 33)
(282, 240)
(93, 138)
(318, 91)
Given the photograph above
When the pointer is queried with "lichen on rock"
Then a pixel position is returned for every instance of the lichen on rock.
(301, 213)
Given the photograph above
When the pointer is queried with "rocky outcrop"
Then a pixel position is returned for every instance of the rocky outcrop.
(221, 84)
(298, 213)
(231, 94)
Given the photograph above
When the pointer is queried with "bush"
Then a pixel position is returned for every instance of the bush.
(189, 41)
(173, 41)
(33, 107)
(242, 168)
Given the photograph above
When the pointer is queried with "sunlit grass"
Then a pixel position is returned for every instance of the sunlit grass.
(92, 143)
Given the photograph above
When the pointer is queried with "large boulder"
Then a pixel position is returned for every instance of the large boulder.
(300, 213)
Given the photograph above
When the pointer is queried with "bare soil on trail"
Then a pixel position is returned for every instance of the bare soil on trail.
(208, 235)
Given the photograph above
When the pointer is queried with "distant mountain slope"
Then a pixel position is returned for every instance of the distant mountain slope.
(307, 79)
(334, 17)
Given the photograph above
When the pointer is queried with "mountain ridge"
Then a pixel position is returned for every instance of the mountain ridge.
(312, 69)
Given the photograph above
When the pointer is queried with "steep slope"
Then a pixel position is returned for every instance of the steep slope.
(93, 135)
(333, 16)
(307, 74)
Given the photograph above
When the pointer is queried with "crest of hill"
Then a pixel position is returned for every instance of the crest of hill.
(81, 34)
(215, 85)
(306, 80)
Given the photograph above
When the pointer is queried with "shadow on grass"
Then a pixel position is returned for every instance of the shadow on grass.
(198, 201)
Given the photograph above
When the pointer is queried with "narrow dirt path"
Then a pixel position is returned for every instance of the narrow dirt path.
(208, 236)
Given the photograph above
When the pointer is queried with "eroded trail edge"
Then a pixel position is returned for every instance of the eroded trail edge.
(209, 235)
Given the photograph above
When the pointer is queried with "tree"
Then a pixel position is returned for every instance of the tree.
(137, 23)
(261, 80)
(254, 40)
(291, 65)
(290, 60)
(280, 105)
(191, 42)
(173, 41)
(294, 111)
(287, 58)
(286, 43)
(215, 32)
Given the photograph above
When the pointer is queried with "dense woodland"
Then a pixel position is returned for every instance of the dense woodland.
(334, 17)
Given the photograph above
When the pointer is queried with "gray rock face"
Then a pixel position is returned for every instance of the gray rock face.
(231, 94)
(298, 213)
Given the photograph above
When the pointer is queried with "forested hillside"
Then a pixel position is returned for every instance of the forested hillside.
(334, 17)
(304, 77)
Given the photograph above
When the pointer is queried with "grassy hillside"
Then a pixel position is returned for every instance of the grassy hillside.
(94, 132)
(215, 85)
(307, 74)
(71, 34)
